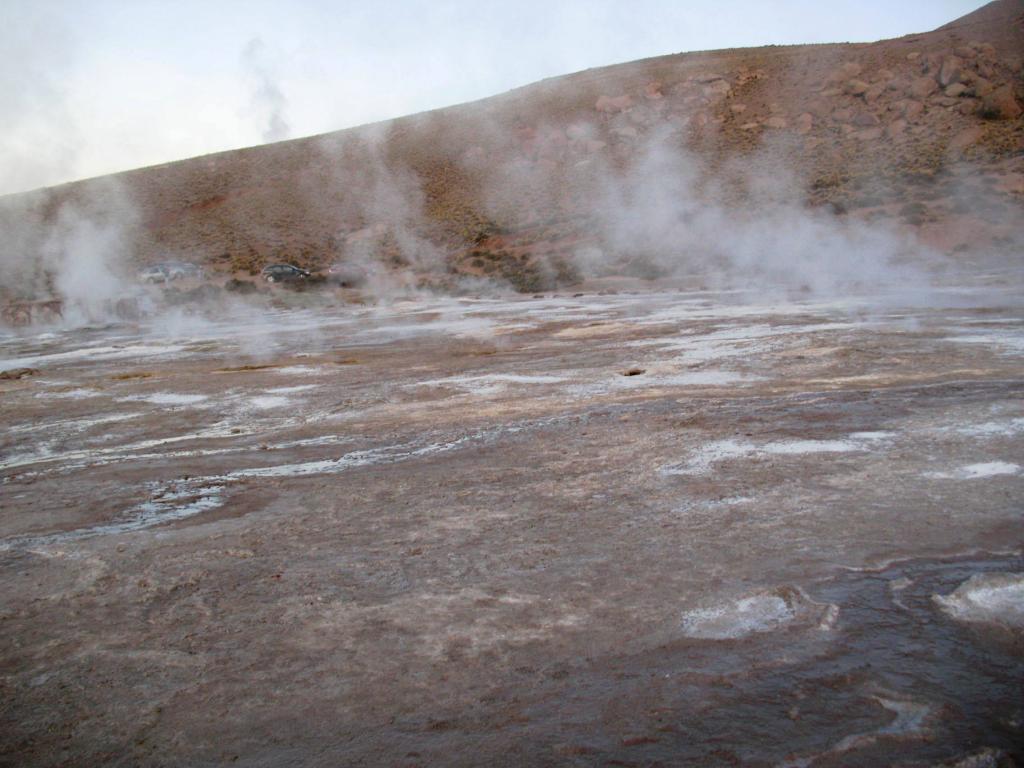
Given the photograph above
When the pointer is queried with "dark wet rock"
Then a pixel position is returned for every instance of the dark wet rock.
(14, 374)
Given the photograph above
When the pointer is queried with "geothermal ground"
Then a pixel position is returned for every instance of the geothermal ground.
(457, 532)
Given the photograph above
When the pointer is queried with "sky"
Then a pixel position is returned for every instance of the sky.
(89, 87)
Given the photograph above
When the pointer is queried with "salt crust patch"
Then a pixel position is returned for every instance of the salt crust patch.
(71, 425)
(976, 471)
(1007, 428)
(71, 394)
(703, 458)
(766, 611)
(990, 598)
(1011, 342)
(488, 384)
(166, 398)
(92, 354)
(264, 402)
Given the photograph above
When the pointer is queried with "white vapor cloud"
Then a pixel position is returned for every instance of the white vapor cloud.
(268, 100)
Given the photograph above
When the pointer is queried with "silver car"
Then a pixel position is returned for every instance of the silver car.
(168, 271)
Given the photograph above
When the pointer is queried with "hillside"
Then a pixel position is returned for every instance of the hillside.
(923, 132)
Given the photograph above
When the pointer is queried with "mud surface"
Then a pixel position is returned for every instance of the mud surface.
(451, 531)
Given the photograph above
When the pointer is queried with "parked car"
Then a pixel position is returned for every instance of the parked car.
(167, 271)
(284, 273)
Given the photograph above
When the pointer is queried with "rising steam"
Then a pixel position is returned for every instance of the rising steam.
(268, 101)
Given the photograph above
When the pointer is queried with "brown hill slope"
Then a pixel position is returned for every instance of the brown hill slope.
(923, 131)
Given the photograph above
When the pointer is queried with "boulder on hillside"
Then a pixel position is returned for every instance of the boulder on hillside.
(912, 109)
(847, 71)
(874, 93)
(819, 108)
(895, 128)
(982, 87)
(1001, 104)
(869, 134)
(717, 88)
(966, 138)
(856, 87)
(614, 103)
(842, 115)
(930, 63)
(922, 87)
(955, 90)
(653, 91)
(865, 119)
(950, 71)
(969, 106)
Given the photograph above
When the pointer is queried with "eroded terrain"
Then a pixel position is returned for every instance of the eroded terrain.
(454, 531)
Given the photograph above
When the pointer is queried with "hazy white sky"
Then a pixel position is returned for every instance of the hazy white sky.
(93, 86)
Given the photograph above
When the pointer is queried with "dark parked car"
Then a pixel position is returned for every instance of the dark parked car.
(284, 273)
(166, 271)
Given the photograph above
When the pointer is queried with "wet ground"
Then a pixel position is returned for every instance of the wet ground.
(452, 531)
